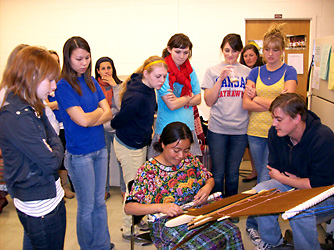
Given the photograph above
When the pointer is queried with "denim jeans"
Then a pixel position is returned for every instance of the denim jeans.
(226, 152)
(304, 225)
(259, 149)
(46, 232)
(88, 174)
(112, 160)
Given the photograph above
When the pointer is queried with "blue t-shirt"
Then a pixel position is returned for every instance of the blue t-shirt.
(272, 77)
(185, 115)
(80, 140)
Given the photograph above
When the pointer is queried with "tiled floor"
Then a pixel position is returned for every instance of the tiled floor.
(11, 231)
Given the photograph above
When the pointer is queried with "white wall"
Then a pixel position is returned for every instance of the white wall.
(129, 31)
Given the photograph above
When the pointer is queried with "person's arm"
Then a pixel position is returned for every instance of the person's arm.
(289, 179)
(211, 95)
(47, 153)
(107, 114)
(195, 100)
(53, 105)
(203, 194)
(248, 102)
(129, 109)
(136, 208)
(84, 119)
(116, 98)
(289, 87)
(173, 102)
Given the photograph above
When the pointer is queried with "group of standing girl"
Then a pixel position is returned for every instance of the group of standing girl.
(92, 115)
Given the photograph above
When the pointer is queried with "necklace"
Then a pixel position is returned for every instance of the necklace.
(269, 73)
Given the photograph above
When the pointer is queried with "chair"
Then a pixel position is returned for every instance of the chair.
(145, 238)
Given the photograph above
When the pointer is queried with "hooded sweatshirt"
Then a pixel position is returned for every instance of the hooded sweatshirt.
(133, 123)
(312, 157)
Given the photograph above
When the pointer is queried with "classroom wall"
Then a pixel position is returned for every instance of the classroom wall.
(129, 31)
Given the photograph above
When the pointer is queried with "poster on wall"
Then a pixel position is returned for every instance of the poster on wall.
(324, 63)
(297, 61)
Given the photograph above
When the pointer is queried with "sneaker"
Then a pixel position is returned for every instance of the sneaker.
(262, 246)
(280, 246)
(143, 226)
(254, 236)
(138, 241)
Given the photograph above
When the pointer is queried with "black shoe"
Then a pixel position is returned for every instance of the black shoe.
(249, 179)
(112, 246)
(288, 237)
(3, 203)
(137, 240)
(106, 195)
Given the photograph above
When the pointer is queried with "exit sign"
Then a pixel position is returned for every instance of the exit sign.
(278, 15)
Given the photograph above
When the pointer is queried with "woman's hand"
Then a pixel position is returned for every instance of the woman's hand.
(170, 96)
(251, 91)
(170, 209)
(225, 72)
(202, 195)
(109, 79)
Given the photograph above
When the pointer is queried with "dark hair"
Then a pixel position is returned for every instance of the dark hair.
(291, 104)
(106, 59)
(180, 41)
(31, 66)
(258, 62)
(234, 40)
(67, 72)
(173, 132)
(53, 52)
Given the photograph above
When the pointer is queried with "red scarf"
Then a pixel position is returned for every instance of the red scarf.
(181, 75)
(107, 93)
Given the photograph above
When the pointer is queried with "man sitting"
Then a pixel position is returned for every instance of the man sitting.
(301, 156)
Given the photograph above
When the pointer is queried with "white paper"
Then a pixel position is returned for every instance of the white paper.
(315, 77)
(297, 61)
(317, 53)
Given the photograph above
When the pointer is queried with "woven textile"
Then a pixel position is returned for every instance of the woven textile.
(220, 235)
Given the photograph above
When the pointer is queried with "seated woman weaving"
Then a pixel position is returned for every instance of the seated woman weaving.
(171, 179)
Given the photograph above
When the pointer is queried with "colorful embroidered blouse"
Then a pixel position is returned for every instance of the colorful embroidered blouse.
(156, 183)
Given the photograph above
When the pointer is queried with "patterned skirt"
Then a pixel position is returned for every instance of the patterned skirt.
(220, 235)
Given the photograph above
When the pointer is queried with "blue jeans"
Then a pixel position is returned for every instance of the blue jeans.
(46, 232)
(109, 137)
(259, 149)
(88, 174)
(304, 225)
(226, 152)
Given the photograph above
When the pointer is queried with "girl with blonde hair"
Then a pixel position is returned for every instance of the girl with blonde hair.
(264, 84)
(134, 121)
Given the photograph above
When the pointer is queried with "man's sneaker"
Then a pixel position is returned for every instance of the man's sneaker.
(281, 246)
(262, 246)
(254, 236)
